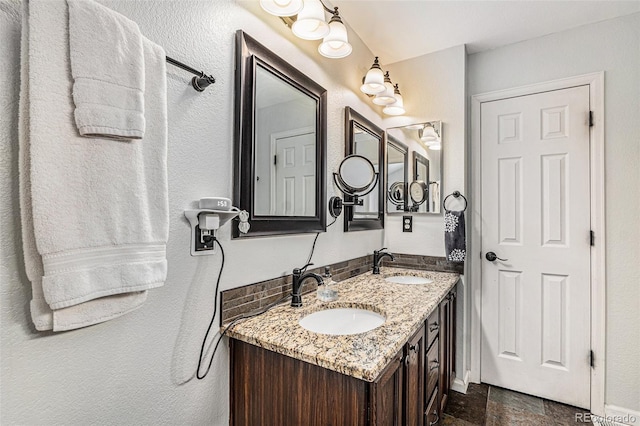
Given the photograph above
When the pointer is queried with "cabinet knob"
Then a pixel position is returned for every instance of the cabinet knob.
(434, 365)
(414, 348)
(434, 327)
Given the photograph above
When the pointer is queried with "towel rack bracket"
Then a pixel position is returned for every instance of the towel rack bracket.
(201, 80)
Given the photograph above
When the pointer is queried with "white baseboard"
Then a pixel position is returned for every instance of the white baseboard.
(460, 385)
(620, 415)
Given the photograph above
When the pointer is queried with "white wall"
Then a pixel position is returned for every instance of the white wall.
(612, 46)
(433, 88)
(133, 370)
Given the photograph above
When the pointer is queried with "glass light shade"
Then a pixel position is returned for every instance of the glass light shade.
(374, 80)
(310, 23)
(336, 43)
(429, 134)
(396, 108)
(387, 96)
(282, 7)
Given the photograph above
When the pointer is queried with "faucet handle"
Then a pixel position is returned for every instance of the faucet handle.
(381, 250)
(299, 271)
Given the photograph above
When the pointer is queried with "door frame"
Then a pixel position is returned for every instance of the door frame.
(595, 81)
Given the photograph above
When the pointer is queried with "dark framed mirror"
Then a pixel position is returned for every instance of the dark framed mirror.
(280, 144)
(420, 201)
(397, 175)
(364, 138)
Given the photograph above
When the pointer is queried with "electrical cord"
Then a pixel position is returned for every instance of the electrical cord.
(235, 321)
(313, 247)
(215, 308)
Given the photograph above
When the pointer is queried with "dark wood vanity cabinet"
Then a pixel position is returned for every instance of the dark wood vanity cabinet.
(273, 389)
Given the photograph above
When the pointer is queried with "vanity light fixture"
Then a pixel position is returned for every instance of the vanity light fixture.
(373, 82)
(396, 108)
(336, 43)
(387, 96)
(306, 18)
(430, 136)
(310, 23)
(282, 7)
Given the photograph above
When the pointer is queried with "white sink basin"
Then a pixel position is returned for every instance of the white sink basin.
(408, 279)
(341, 321)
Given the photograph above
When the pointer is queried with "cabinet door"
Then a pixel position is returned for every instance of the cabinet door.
(414, 379)
(386, 403)
(431, 414)
(444, 353)
(432, 369)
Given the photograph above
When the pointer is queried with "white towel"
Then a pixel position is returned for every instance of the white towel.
(94, 216)
(107, 65)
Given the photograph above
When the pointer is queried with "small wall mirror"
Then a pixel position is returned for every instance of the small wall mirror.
(425, 142)
(280, 143)
(367, 140)
(397, 175)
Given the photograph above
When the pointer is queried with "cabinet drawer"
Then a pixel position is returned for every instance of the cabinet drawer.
(433, 326)
(433, 371)
(431, 417)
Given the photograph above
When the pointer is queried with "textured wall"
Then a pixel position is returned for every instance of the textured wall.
(433, 89)
(614, 47)
(137, 369)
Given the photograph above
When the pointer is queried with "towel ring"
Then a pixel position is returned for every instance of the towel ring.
(456, 194)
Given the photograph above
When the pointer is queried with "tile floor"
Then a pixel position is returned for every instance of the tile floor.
(494, 406)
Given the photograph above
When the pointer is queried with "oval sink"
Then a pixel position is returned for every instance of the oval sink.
(408, 279)
(341, 321)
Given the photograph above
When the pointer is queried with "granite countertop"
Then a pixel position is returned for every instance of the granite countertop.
(363, 355)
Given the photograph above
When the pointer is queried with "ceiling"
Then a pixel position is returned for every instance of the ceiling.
(396, 30)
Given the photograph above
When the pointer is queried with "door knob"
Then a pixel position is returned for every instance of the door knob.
(491, 256)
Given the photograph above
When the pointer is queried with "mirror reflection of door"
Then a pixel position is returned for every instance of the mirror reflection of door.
(368, 146)
(285, 148)
(293, 174)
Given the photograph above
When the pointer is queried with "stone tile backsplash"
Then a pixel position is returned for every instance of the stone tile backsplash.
(238, 301)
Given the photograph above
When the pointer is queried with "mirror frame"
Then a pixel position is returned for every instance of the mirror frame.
(250, 54)
(352, 118)
(419, 158)
(404, 148)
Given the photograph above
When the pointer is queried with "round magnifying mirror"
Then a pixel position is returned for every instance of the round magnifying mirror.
(396, 193)
(357, 173)
(418, 191)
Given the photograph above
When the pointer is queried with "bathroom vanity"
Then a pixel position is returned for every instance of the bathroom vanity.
(396, 374)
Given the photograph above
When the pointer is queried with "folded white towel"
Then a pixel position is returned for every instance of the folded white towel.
(107, 65)
(94, 216)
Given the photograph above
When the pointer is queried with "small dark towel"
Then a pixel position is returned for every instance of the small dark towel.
(454, 236)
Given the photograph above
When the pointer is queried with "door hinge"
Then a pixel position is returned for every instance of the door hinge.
(592, 238)
(592, 359)
(369, 414)
(591, 122)
(275, 160)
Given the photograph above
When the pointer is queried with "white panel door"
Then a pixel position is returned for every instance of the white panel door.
(295, 171)
(535, 214)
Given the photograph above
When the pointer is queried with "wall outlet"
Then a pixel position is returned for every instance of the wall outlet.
(407, 223)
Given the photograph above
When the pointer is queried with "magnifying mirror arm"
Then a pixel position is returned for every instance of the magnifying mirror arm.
(348, 192)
